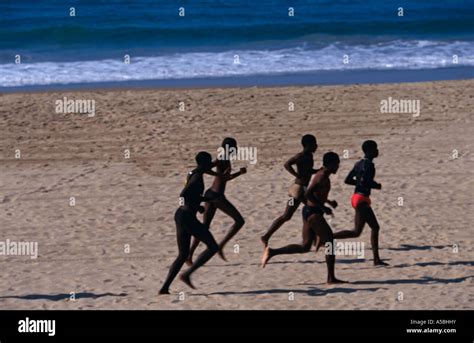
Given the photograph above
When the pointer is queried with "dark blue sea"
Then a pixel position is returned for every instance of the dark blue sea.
(56, 48)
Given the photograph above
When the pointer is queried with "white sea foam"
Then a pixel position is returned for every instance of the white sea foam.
(393, 55)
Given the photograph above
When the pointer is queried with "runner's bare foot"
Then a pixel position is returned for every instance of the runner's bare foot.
(163, 291)
(187, 280)
(380, 263)
(264, 241)
(266, 256)
(334, 281)
(317, 243)
(221, 254)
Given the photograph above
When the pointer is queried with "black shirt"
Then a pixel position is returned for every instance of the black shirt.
(192, 192)
(363, 173)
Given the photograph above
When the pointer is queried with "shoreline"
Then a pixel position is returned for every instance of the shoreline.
(319, 78)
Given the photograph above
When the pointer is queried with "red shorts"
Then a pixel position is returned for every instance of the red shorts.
(358, 199)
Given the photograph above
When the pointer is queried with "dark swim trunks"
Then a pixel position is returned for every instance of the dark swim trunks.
(310, 210)
(186, 220)
(212, 195)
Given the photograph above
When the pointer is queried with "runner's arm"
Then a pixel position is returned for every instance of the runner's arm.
(289, 165)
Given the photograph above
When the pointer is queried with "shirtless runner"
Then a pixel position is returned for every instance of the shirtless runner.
(304, 170)
(314, 224)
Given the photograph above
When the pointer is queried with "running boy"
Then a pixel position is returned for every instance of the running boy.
(217, 199)
(362, 177)
(315, 226)
(188, 225)
(304, 169)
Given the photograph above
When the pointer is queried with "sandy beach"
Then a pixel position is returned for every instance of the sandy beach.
(112, 250)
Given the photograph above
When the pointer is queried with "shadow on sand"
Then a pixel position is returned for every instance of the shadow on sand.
(407, 247)
(63, 296)
(312, 291)
(340, 260)
(434, 263)
(422, 281)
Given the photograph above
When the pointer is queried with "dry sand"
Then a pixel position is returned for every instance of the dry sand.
(132, 201)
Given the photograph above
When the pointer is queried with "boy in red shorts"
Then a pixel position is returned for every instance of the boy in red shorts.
(362, 177)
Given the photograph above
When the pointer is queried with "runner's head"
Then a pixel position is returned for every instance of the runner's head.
(230, 146)
(309, 143)
(229, 142)
(204, 160)
(370, 149)
(331, 161)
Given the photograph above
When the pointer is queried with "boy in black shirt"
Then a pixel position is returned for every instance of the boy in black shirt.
(362, 177)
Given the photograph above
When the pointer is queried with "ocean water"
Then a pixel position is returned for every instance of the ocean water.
(56, 48)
